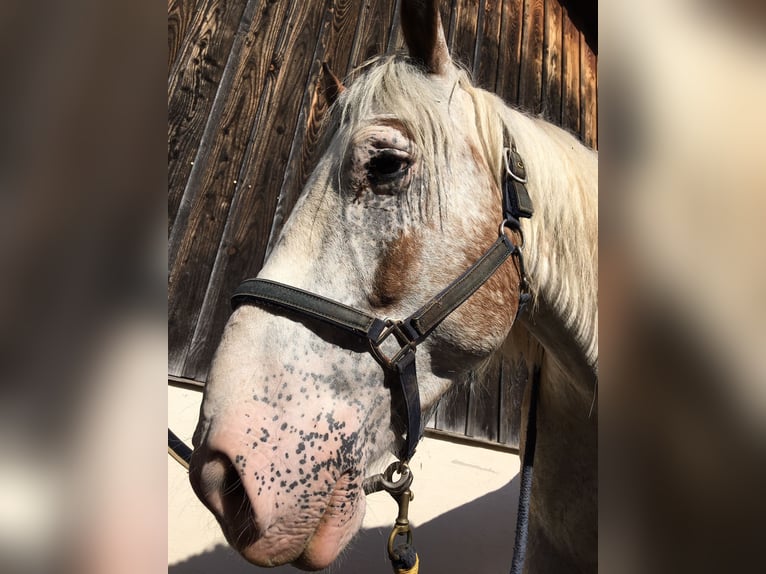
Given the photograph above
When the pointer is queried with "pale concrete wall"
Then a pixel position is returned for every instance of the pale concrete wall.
(464, 513)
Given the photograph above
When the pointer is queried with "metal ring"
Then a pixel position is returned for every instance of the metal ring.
(396, 486)
(397, 531)
(505, 224)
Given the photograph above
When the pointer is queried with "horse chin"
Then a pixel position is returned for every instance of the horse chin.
(336, 528)
(339, 523)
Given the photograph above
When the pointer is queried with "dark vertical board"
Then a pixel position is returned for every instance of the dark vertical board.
(484, 403)
(531, 72)
(465, 36)
(552, 62)
(396, 38)
(180, 15)
(196, 236)
(570, 88)
(372, 31)
(588, 95)
(260, 176)
(486, 68)
(522, 354)
(507, 85)
(194, 80)
(452, 413)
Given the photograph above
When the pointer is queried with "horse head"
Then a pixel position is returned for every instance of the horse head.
(406, 197)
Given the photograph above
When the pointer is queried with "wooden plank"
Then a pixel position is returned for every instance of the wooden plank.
(552, 62)
(202, 215)
(531, 72)
(484, 404)
(452, 414)
(522, 354)
(465, 37)
(515, 376)
(588, 95)
(490, 23)
(507, 85)
(194, 80)
(372, 32)
(180, 15)
(245, 237)
(570, 85)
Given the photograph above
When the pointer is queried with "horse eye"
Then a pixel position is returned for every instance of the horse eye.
(387, 166)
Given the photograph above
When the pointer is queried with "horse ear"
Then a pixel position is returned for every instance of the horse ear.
(329, 84)
(424, 35)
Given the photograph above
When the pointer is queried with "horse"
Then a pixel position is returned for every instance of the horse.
(408, 194)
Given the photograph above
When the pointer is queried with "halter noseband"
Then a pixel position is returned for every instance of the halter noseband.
(414, 329)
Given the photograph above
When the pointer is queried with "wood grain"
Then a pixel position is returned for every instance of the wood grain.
(193, 83)
(531, 72)
(180, 16)
(509, 58)
(372, 31)
(246, 234)
(570, 86)
(488, 56)
(552, 73)
(452, 413)
(522, 355)
(482, 418)
(465, 37)
(195, 241)
(588, 95)
(335, 40)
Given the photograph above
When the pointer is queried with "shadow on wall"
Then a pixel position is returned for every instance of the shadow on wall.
(476, 537)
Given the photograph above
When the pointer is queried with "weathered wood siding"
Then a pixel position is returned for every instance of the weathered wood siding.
(243, 127)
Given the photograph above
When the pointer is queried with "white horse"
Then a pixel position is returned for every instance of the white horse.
(405, 198)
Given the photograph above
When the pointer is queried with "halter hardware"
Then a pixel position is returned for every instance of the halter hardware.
(406, 343)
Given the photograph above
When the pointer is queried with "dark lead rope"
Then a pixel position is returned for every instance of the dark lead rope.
(179, 450)
(525, 489)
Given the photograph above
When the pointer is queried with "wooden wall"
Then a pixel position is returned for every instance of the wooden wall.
(243, 126)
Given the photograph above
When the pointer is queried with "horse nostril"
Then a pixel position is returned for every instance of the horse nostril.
(218, 484)
(234, 497)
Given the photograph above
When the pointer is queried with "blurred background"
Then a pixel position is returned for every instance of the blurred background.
(83, 339)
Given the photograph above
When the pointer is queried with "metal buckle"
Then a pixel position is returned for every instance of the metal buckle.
(508, 170)
(405, 343)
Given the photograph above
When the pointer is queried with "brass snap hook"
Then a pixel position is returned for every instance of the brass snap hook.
(402, 524)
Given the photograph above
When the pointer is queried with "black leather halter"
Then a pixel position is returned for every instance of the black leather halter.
(412, 330)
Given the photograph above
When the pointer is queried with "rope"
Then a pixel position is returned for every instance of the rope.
(407, 561)
(525, 490)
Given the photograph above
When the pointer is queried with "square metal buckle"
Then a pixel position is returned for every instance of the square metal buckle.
(406, 344)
